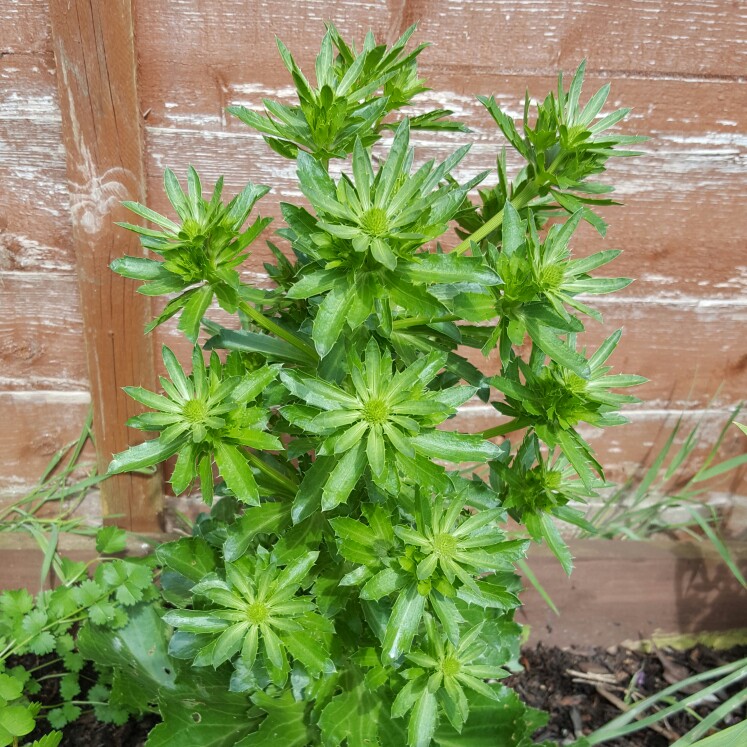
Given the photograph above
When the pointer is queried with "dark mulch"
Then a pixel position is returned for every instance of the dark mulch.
(576, 707)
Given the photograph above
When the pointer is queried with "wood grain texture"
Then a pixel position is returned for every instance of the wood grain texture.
(643, 37)
(679, 65)
(701, 364)
(48, 420)
(95, 56)
(24, 28)
(676, 242)
(618, 591)
(630, 590)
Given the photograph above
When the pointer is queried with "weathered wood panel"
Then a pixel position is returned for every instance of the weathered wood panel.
(644, 37)
(680, 66)
(692, 352)
(41, 344)
(34, 215)
(676, 227)
(48, 420)
(95, 56)
(24, 28)
(622, 591)
(44, 422)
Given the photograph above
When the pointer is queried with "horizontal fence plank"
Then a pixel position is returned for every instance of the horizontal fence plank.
(682, 199)
(44, 422)
(643, 37)
(630, 591)
(49, 420)
(41, 343)
(693, 350)
(25, 28)
(676, 241)
(35, 231)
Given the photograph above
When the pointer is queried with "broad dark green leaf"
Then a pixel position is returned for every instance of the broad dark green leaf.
(194, 310)
(303, 646)
(448, 268)
(235, 470)
(269, 518)
(284, 725)
(344, 477)
(193, 557)
(331, 317)
(353, 715)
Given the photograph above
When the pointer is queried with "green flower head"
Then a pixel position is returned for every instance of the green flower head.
(441, 673)
(202, 417)
(200, 253)
(381, 418)
(378, 218)
(256, 603)
(554, 400)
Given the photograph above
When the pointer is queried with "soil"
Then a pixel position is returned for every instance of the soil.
(578, 687)
(583, 689)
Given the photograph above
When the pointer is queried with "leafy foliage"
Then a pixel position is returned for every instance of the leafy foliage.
(351, 587)
(354, 93)
(49, 624)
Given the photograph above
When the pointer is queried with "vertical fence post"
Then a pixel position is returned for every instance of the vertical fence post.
(96, 73)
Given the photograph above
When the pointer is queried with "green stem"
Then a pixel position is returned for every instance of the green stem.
(276, 329)
(15, 646)
(501, 430)
(526, 195)
(272, 473)
(416, 321)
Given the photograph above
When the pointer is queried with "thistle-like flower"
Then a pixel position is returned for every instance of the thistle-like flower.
(200, 253)
(255, 603)
(381, 419)
(363, 241)
(202, 417)
(554, 400)
(441, 673)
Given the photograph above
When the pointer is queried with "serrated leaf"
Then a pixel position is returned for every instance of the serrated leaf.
(111, 540)
(353, 715)
(143, 455)
(234, 469)
(344, 477)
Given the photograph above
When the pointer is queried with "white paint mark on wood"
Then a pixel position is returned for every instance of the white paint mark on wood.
(92, 195)
(41, 397)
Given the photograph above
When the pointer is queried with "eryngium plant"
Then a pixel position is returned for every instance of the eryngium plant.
(355, 584)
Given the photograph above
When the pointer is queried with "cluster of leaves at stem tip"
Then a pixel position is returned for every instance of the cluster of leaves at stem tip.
(354, 581)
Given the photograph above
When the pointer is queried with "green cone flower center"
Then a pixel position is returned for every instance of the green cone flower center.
(450, 666)
(552, 277)
(257, 613)
(444, 545)
(576, 384)
(195, 411)
(374, 222)
(375, 412)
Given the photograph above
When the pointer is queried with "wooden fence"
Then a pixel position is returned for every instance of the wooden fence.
(97, 97)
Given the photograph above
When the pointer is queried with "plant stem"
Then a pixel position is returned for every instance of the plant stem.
(416, 321)
(271, 472)
(276, 329)
(501, 430)
(526, 195)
